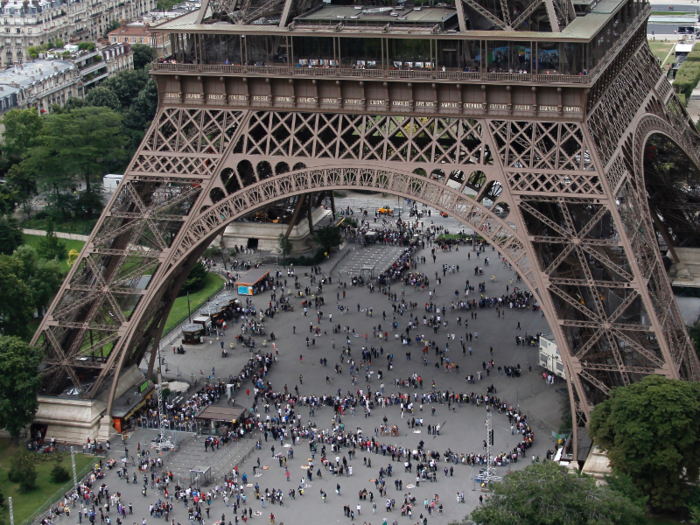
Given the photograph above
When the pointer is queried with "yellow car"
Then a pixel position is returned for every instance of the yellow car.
(385, 211)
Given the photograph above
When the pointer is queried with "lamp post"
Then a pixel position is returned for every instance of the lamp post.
(189, 311)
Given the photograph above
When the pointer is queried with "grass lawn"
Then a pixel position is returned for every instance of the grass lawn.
(673, 13)
(24, 505)
(178, 313)
(661, 50)
(33, 241)
(83, 227)
(450, 236)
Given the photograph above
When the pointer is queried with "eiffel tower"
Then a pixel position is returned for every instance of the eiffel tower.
(546, 126)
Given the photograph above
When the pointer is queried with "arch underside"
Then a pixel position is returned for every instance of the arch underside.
(532, 189)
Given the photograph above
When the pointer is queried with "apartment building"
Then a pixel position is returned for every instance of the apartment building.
(141, 33)
(27, 24)
(40, 85)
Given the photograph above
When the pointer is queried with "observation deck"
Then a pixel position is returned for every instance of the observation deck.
(537, 58)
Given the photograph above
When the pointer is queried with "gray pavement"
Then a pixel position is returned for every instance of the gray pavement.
(462, 429)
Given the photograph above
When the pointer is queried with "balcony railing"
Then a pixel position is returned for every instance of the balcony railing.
(266, 71)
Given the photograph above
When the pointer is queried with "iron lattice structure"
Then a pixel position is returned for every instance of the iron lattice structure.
(570, 179)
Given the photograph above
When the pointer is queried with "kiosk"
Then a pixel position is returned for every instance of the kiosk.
(192, 334)
(253, 282)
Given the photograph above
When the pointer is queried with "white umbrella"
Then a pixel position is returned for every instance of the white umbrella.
(177, 386)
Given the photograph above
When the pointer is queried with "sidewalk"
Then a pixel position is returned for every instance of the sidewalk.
(60, 235)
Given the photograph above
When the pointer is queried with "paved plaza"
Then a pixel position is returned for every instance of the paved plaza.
(462, 427)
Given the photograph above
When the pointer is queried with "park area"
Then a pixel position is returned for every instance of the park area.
(663, 51)
(27, 505)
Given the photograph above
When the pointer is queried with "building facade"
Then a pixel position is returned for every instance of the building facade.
(40, 84)
(142, 33)
(25, 25)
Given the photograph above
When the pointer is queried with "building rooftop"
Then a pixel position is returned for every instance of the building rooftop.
(24, 76)
(134, 29)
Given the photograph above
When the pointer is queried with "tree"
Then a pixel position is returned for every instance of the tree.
(139, 116)
(285, 246)
(127, 85)
(23, 470)
(43, 277)
(23, 186)
(547, 493)
(328, 237)
(17, 304)
(195, 280)
(20, 381)
(59, 473)
(102, 96)
(112, 26)
(71, 104)
(650, 430)
(143, 55)
(10, 235)
(51, 247)
(73, 255)
(21, 128)
(85, 142)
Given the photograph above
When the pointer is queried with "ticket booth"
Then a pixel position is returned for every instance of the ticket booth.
(192, 334)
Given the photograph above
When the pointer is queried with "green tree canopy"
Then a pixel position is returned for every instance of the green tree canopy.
(549, 494)
(19, 384)
(51, 247)
(22, 184)
(102, 96)
(650, 430)
(17, 305)
(21, 128)
(84, 142)
(143, 55)
(23, 470)
(285, 245)
(127, 85)
(195, 280)
(114, 24)
(139, 116)
(10, 235)
(328, 237)
(43, 277)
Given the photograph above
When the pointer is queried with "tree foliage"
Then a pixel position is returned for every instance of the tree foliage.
(195, 280)
(113, 25)
(10, 235)
(59, 473)
(101, 96)
(143, 55)
(285, 246)
(650, 430)
(21, 128)
(19, 384)
(51, 247)
(85, 141)
(16, 306)
(548, 494)
(23, 470)
(328, 237)
(43, 277)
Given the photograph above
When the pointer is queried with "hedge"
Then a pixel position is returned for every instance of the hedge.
(683, 100)
(687, 78)
(694, 55)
